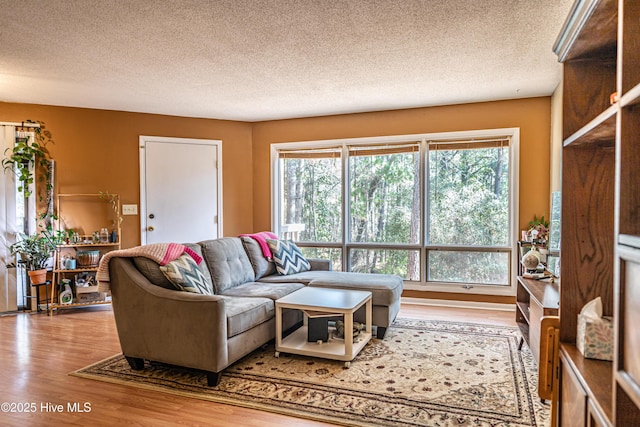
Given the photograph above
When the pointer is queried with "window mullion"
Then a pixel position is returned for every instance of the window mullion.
(424, 215)
(346, 212)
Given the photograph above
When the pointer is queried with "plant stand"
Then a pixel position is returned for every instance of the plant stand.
(37, 295)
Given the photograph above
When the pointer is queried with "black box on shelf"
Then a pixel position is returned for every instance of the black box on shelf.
(318, 329)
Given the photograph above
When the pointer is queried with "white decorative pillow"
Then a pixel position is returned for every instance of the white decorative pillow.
(185, 275)
(287, 257)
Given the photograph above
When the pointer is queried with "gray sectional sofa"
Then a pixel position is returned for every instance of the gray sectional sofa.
(156, 322)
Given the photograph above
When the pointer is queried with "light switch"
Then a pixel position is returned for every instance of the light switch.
(129, 209)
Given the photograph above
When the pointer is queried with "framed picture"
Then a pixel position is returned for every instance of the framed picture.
(553, 265)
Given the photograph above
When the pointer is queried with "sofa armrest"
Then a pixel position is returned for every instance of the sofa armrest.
(320, 264)
(164, 325)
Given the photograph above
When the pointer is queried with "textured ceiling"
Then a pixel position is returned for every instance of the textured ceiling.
(271, 59)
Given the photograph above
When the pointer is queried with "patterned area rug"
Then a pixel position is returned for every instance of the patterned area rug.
(422, 374)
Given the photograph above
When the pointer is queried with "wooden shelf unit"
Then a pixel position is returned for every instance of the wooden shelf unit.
(599, 46)
(89, 212)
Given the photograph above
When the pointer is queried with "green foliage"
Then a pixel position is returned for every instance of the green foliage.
(468, 202)
(385, 261)
(332, 254)
(469, 206)
(383, 201)
(469, 267)
(313, 197)
(538, 221)
(35, 249)
(25, 154)
(384, 208)
(469, 198)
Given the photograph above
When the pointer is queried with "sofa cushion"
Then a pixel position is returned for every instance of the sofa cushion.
(228, 263)
(185, 275)
(386, 289)
(261, 265)
(265, 290)
(305, 277)
(287, 257)
(203, 265)
(151, 269)
(246, 313)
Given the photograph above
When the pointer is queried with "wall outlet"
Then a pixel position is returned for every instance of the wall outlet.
(129, 209)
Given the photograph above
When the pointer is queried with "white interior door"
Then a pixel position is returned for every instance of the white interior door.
(180, 189)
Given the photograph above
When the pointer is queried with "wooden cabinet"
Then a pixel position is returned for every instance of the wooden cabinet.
(85, 214)
(537, 301)
(599, 46)
(584, 383)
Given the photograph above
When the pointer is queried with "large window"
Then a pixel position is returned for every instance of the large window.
(435, 209)
(468, 206)
(384, 208)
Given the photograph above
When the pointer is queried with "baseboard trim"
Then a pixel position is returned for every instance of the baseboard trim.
(459, 304)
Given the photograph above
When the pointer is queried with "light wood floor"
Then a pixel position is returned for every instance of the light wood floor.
(38, 351)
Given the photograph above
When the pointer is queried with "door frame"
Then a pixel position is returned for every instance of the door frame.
(143, 174)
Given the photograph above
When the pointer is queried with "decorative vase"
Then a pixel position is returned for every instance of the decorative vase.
(531, 259)
(37, 277)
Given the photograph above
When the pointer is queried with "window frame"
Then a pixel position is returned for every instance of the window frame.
(423, 140)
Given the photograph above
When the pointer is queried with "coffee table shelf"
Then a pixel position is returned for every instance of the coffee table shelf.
(333, 349)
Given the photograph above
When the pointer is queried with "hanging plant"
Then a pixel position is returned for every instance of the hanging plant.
(113, 200)
(26, 154)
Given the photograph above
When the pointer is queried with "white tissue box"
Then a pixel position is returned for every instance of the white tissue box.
(595, 337)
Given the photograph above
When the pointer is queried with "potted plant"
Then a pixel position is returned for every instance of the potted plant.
(26, 154)
(34, 251)
(539, 230)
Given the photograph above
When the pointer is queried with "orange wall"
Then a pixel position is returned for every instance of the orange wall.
(532, 116)
(97, 150)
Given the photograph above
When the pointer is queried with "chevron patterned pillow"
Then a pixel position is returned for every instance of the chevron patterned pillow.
(185, 275)
(287, 257)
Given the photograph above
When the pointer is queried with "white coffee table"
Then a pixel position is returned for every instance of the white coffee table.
(334, 301)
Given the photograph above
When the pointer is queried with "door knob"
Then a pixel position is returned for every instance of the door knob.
(150, 228)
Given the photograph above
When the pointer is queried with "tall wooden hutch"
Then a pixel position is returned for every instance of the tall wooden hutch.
(599, 46)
